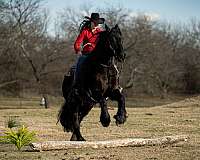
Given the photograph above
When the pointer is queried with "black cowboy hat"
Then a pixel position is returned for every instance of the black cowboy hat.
(94, 16)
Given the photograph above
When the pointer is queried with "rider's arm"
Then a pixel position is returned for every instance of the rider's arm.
(79, 41)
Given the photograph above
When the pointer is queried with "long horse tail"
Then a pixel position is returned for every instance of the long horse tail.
(65, 117)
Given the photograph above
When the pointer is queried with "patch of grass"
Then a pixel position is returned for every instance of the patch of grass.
(12, 122)
(143, 122)
(19, 138)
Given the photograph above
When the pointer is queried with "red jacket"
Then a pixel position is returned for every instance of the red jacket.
(88, 38)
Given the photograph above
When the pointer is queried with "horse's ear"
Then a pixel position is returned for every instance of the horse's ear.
(116, 26)
(118, 29)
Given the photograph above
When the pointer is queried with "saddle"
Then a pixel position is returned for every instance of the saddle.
(70, 82)
(113, 76)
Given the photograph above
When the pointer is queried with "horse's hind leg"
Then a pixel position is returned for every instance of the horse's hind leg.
(83, 111)
(76, 135)
(121, 113)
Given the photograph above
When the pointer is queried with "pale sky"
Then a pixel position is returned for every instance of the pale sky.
(169, 10)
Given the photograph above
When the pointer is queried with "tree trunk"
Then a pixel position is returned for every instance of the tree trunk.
(133, 142)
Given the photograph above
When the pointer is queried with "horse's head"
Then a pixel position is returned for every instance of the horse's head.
(115, 39)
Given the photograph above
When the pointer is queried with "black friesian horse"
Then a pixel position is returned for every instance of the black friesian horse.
(93, 77)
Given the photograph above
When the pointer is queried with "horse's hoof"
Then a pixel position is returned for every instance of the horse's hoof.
(105, 124)
(81, 139)
(105, 120)
(73, 139)
(119, 119)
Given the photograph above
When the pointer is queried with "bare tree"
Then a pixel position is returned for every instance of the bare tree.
(190, 57)
(28, 46)
(161, 57)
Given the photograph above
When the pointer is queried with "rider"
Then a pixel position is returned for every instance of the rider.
(88, 36)
(87, 40)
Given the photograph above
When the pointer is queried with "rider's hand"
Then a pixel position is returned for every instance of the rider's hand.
(79, 53)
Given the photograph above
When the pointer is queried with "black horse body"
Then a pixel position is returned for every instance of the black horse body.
(93, 77)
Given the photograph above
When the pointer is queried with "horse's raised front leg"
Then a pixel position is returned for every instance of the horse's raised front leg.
(104, 117)
(121, 112)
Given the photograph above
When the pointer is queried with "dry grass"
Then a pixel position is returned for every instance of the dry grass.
(145, 122)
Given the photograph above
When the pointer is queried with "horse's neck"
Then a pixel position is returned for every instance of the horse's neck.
(102, 51)
(102, 56)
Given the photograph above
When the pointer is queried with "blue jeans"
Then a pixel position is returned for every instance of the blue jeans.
(80, 61)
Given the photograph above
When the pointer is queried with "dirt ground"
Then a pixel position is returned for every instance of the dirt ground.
(148, 118)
